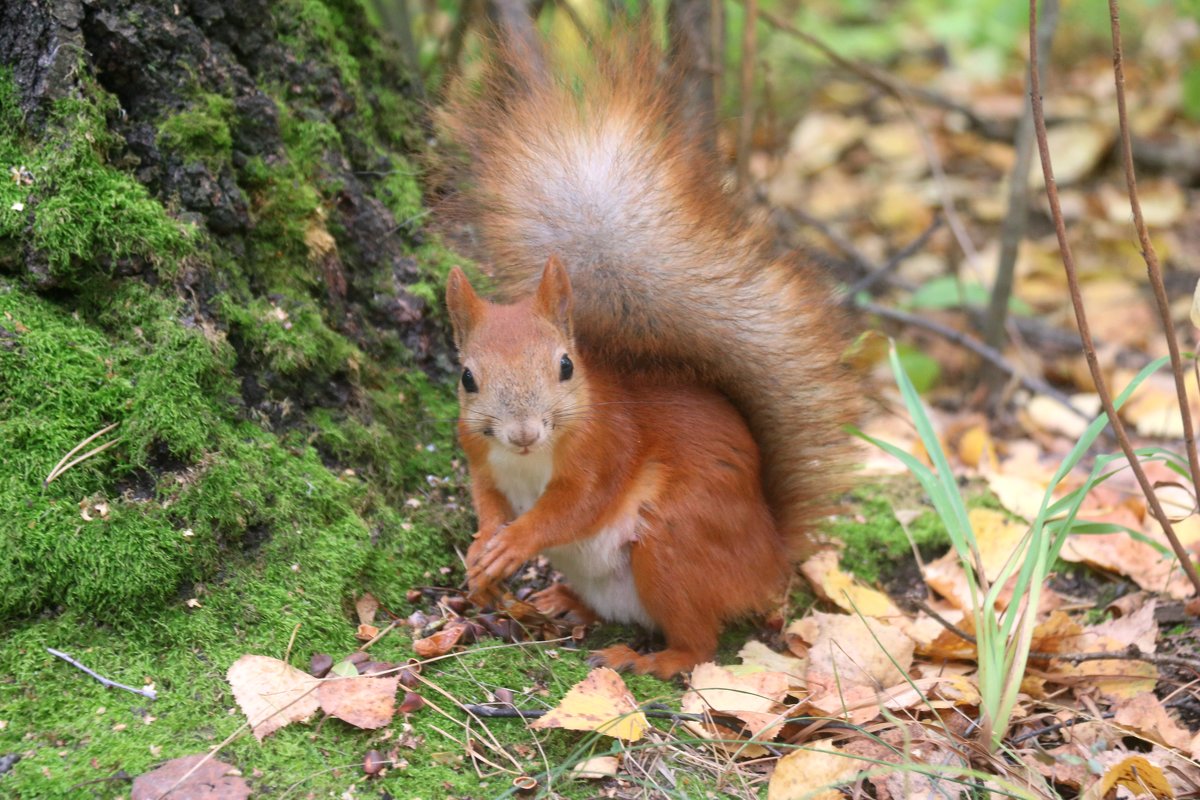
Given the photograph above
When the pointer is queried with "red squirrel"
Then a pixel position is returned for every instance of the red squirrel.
(643, 491)
(613, 416)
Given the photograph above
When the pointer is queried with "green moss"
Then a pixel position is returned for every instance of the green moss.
(288, 336)
(875, 541)
(71, 208)
(200, 132)
(399, 191)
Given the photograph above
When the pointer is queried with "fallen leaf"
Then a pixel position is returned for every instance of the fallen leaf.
(212, 780)
(1135, 774)
(841, 588)
(596, 767)
(854, 650)
(364, 702)
(811, 773)
(755, 699)
(1076, 149)
(1052, 416)
(1146, 716)
(601, 703)
(757, 657)
(440, 643)
(365, 607)
(272, 693)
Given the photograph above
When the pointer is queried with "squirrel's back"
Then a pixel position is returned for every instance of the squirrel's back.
(593, 164)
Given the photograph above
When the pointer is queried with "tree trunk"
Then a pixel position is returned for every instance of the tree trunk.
(210, 235)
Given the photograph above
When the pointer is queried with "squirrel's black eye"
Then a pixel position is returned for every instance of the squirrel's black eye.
(565, 368)
(468, 381)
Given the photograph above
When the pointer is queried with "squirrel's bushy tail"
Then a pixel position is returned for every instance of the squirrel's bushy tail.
(592, 164)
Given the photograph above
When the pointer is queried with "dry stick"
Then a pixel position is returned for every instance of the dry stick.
(1085, 334)
(1148, 252)
(874, 275)
(746, 128)
(1012, 230)
(149, 694)
(989, 354)
(59, 468)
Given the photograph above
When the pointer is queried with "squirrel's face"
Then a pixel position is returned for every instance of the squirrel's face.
(520, 382)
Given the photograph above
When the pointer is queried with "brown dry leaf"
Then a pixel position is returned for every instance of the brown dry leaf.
(949, 645)
(364, 702)
(596, 768)
(1146, 716)
(1076, 148)
(272, 693)
(212, 780)
(820, 139)
(440, 643)
(1162, 202)
(1135, 774)
(1020, 495)
(1116, 679)
(857, 705)
(366, 606)
(757, 657)
(755, 699)
(842, 589)
(939, 691)
(1150, 568)
(812, 772)
(854, 650)
(1053, 417)
(601, 703)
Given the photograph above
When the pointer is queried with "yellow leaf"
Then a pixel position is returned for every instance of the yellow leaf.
(1137, 775)
(811, 773)
(841, 588)
(600, 703)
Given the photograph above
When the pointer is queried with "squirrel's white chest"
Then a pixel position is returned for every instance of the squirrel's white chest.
(521, 478)
(597, 566)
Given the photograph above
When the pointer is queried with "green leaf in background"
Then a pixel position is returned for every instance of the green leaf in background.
(1191, 92)
(923, 370)
(943, 293)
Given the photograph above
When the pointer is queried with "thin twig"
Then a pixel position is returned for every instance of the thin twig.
(1085, 334)
(1012, 230)
(1058, 726)
(60, 469)
(746, 128)
(1148, 252)
(876, 275)
(512, 712)
(149, 694)
(989, 354)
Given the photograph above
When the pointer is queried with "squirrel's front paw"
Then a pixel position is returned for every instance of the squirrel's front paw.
(495, 559)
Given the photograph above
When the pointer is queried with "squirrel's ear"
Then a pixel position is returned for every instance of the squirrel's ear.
(554, 295)
(464, 305)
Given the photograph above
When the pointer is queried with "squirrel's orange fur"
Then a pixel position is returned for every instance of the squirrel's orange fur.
(678, 302)
(652, 505)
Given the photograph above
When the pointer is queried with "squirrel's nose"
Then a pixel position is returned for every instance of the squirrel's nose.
(524, 436)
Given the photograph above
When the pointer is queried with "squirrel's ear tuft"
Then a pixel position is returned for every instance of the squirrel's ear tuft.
(464, 305)
(554, 295)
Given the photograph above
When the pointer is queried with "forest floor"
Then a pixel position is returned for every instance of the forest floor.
(289, 529)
